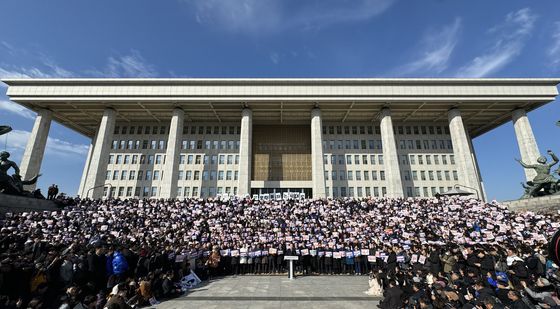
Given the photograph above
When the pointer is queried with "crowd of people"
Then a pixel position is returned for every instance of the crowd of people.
(446, 252)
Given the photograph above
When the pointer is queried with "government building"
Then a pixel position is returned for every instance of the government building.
(166, 138)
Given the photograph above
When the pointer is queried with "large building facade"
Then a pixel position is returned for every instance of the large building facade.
(162, 138)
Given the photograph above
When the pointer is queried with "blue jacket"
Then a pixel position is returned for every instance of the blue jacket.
(120, 265)
(109, 265)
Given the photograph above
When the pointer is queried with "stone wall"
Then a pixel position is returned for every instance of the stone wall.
(12, 203)
(543, 204)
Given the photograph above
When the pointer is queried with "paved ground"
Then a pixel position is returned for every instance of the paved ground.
(278, 292)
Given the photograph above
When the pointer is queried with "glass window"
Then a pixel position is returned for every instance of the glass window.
(409, 144)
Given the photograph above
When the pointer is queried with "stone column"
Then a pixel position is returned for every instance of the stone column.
(477, 167)
(390, 156)
(525, 140)
(466, 167)
(33, 156)
(171, 169)
(100, 155)
(245, 150)
(317, 164)
(86, 166)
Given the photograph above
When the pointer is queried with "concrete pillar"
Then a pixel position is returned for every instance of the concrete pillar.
(245, 150)
(525, 140)
(33, 156)
(466, 166)
(477, 167)
(100, 155)
(171, 169)
(86, 166)
(390, 156)
(317, 164)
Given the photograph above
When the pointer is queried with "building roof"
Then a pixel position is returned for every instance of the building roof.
(78, 103)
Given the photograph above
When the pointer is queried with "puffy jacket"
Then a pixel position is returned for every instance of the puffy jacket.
(119, 263)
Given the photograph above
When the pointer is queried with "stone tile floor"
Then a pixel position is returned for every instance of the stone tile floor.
(278, 292)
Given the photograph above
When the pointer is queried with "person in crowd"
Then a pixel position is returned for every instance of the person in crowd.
(454, 252)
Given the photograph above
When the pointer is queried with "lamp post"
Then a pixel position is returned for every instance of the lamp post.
(107, 184)
(458, 186)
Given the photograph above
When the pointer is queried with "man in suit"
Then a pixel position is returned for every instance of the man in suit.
(392, 297)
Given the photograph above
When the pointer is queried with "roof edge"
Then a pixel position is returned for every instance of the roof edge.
(53, 81)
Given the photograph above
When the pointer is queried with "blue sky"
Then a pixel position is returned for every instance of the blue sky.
(280, 38)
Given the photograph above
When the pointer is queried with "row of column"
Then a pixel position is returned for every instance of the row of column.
(93, 177)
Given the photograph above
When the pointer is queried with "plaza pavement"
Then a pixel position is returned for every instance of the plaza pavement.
(278, 292)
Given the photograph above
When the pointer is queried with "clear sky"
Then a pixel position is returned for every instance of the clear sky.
(280, 38)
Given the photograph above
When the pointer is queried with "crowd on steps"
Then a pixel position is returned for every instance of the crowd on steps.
(447, 252)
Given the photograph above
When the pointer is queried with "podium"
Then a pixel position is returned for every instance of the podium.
(291, 258)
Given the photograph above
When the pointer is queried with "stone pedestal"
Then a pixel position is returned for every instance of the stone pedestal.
(549, 203)
(16, 204)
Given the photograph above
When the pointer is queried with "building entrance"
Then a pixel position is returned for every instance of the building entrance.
(278, 193)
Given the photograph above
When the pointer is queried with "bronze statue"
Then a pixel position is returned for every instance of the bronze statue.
(13, 184)
(543, 183)
(5, 129)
